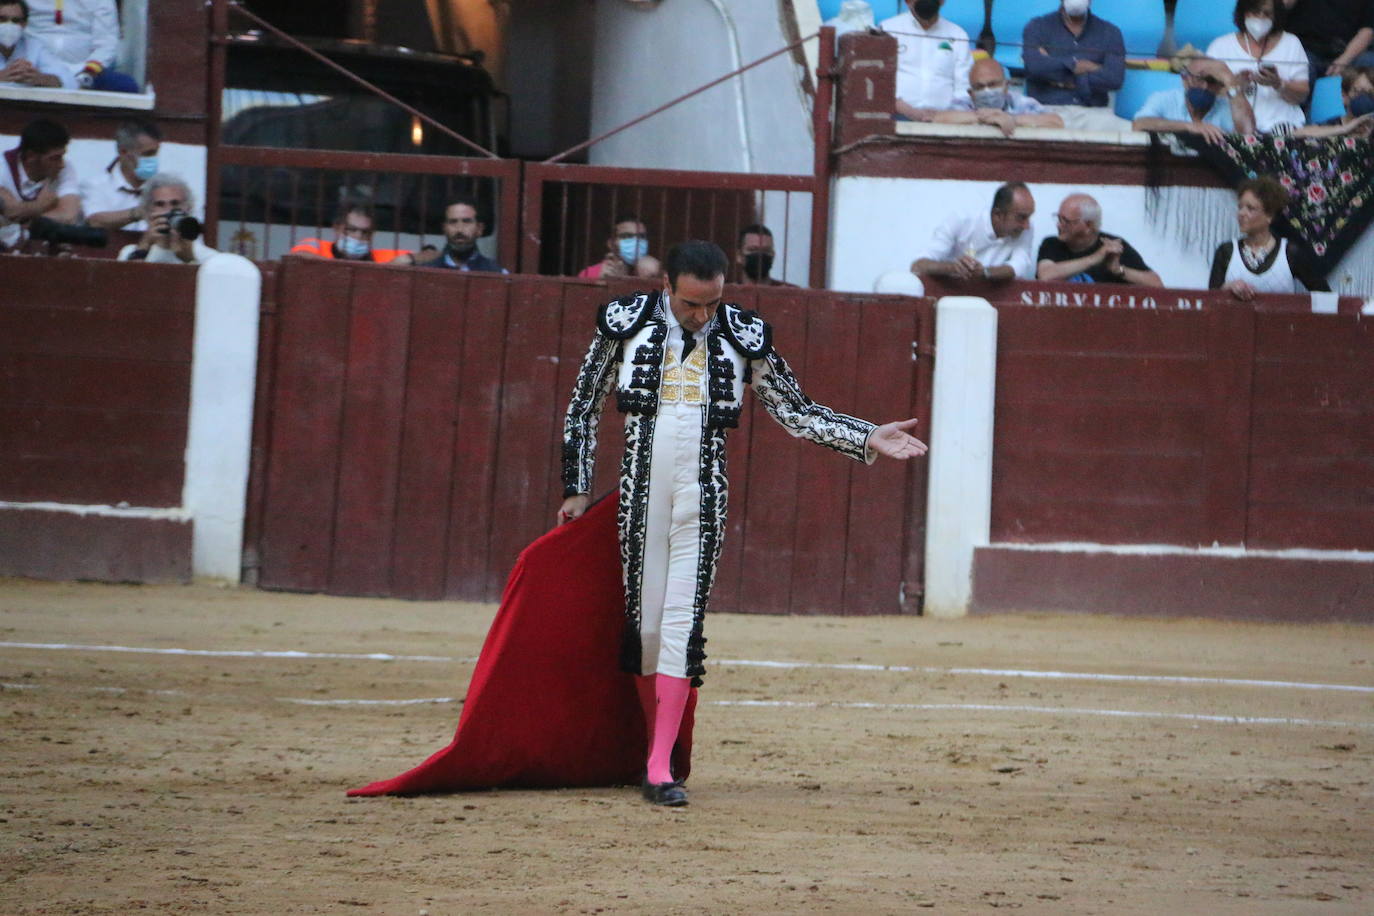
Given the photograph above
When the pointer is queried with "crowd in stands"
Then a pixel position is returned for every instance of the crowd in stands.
(61, 44)
(1257, 78)
(995, 244)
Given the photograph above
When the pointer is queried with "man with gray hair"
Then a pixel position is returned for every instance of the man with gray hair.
(111, 199)
(173, 235)
(1083, 253)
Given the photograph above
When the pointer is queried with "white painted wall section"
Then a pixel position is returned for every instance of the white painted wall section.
(959, 501)
(220, 434)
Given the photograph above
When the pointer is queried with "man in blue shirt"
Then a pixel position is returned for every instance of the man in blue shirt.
(1209, 103)
(1074, 58)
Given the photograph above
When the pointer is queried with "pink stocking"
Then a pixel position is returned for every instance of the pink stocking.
(672, 699)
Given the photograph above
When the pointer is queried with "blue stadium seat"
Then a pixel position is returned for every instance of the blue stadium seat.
(1139, 85)
(966, 13)
(1197, 22)
(882, 9)
(1009, 18)
(1326, 99)
(1141, 22)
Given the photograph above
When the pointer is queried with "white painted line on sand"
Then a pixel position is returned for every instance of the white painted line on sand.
(418, 701)
(733, 662)
(235, 653)
(1052, 710)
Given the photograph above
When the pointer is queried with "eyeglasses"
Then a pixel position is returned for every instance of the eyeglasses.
(15, 19)
(1067, 220)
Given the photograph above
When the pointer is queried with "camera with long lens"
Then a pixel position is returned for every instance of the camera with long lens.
(47, 230)
(187, 226)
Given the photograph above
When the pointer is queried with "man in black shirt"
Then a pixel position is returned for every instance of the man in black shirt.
(1335, 33)
(1083, 253)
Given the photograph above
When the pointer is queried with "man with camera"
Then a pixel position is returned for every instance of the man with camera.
(173, 235)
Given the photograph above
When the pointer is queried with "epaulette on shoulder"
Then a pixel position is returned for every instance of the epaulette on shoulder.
(623, 317)
(746, 330)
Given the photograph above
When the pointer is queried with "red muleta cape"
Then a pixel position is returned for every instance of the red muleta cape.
(548, 705)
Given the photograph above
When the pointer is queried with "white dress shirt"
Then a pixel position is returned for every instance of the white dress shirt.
(972, 234)
(26, 188)
(932, 64)
(88, 30)
(35, 52)
(110, 190)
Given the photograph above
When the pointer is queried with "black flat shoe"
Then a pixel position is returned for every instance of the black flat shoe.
(668, 794)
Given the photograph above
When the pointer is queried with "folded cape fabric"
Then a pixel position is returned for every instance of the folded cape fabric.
(548, 705)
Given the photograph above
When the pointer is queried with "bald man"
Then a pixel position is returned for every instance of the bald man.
(991, 101)
(1083, 253)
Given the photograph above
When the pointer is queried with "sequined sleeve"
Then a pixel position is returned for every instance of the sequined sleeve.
(777, 388)
(594, 381)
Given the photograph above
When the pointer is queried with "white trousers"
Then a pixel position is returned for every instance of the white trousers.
(672, 542)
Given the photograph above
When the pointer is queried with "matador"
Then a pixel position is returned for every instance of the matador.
(678, 360)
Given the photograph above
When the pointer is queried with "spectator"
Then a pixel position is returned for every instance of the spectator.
(1357, 94)
(111, 199)
(1257, 262)
(933, 59)
(37, 180)
(1269, 62)
(173, 235)
(1073, 59)
(23, 58)
(1194, 107)
(1083, 253)
(628, 242)
(352, 239)
(1335, 34)
(990, 101)
(462, 229)
(85, 35)
(754, 256)
(992, 245)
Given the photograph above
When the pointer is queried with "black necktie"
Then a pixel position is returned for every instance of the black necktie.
(688, 342)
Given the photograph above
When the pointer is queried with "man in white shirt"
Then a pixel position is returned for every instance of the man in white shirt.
(111, 198)
(36, 180)
(84, 34)
(933, 59)
(23, 58)
(167, 202)
(991, 245)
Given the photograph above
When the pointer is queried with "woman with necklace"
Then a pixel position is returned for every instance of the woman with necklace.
(1258, 262)
(1270, 62)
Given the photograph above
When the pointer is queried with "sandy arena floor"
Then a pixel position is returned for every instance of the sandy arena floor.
(974, 777)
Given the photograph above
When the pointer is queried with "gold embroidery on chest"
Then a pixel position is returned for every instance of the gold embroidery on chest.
(682, 381)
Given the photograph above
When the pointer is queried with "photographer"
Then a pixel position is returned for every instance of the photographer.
(173, 235)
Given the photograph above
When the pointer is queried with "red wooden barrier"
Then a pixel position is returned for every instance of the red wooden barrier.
(413, 443)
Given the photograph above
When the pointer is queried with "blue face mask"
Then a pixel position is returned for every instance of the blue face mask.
(1362, 104)
(146, 168)
(631, 250)
(352, 248)
(1201, 99)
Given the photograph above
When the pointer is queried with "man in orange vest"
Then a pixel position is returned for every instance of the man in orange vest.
(352, 240)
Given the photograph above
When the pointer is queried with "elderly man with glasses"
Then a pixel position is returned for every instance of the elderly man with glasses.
(1083, 253)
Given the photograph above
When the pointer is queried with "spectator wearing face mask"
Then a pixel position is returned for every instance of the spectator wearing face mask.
(1336, 34)
(84, 34)
(990, 101)
(1210, 103)
(627, 244)
(1269, 62)
(1357, 94)
(1073, 60)
(23, 58)
(933, 59)
(111, 198)
(754, 256)
(353, 228)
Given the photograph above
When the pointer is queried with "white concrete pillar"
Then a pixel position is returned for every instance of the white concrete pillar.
(959, 501)
(220, 435)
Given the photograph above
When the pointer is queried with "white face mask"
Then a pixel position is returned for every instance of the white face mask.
(10, 33)
(1077, 9)
(1258, 27)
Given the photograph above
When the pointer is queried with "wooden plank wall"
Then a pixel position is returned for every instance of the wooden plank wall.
(415, 420)
(95, 381)
(1231, 425)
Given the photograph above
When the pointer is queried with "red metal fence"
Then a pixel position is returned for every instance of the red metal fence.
(412, 443)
